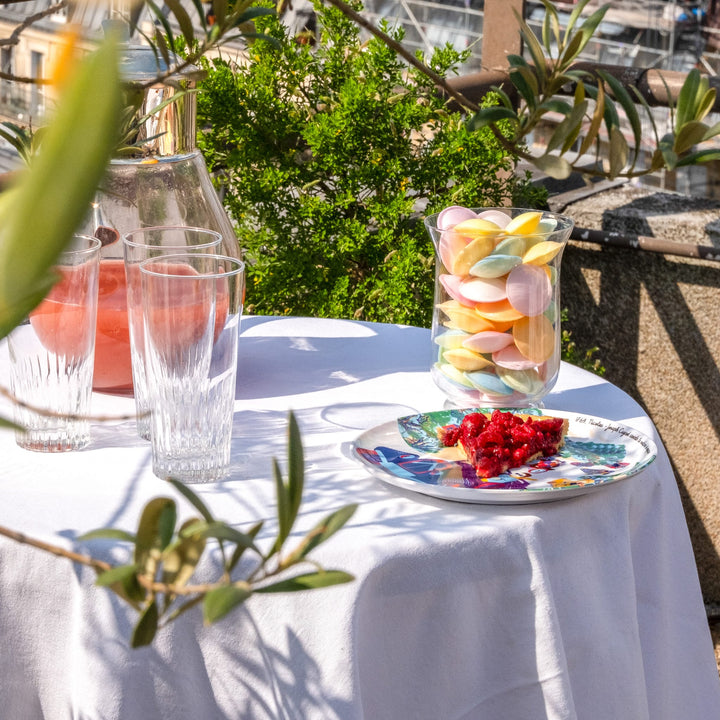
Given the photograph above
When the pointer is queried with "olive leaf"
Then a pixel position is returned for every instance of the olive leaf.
(119, 573)
(220, 531)
(690, 134)
(146, 627)
(319, 534)
(289, 494)
(76, 148)
(554, 166)
(108, 534)
(627, 104)
(595, 122)
(122, 580)
(220, 601)
(192, 498)
(154, 533)
(180, 558)
(308, 581)
(8, 424)
(183, 19)
(241, 548)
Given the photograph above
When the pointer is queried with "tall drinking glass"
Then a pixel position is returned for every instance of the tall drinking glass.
(51, 355)
(140, 245)
(192, 304)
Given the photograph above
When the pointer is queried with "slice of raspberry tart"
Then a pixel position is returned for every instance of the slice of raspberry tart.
(496, 442)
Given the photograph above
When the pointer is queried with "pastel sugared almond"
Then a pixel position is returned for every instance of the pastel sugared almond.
(465, 318)
(524, 224)
(453, 215)
(477, 226)
(451, 243)
(453, 287)
(494, 265)
(527, 382)
(535, 338)
(511, 358)
(489, 341)
(489, 384)
(466, 360)
(483, 290)
(452, 373)
(499, 312)
(476, 250)
(452, 339)
(528, 289)
(500, 218)
(514, 245)
(542, 253)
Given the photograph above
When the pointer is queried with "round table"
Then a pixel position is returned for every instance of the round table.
(587, 608)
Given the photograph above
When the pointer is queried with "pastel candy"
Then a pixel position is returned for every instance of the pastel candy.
(453, 215)
(474, 227)
(527, 382)
(476, 250)
(452, 373)
(524, 224)
(453, 287)
(531, 241)
(542, 253)
(488, 383)
(449, 246)
(546, 225)
(483, 290)
(498, 217)
(498, 312)
(495, 265)
(489, 341)
(512, 359)
(466, 360)
(535, 338)
(528, 289)
(464, 318)
(452, 339)
(514, 245)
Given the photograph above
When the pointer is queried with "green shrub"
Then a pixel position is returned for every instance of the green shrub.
(327, 157)
(572, 354)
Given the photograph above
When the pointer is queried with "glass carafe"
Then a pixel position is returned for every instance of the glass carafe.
(165, 182)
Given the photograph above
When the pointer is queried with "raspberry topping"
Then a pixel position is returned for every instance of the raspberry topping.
(503, 441)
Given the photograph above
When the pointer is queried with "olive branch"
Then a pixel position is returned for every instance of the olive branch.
(157, 583)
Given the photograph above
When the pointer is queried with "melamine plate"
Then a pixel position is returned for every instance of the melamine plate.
(597, 452)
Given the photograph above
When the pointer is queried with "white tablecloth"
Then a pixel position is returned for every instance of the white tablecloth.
(588, 608)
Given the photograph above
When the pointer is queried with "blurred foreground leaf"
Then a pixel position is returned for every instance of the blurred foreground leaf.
(47, 202)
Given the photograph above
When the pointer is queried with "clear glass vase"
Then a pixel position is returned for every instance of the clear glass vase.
(496, 319)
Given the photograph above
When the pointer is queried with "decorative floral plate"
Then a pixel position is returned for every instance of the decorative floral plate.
(596, 453)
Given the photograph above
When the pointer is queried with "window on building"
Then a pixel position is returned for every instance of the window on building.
(6, 65)
(37, 96)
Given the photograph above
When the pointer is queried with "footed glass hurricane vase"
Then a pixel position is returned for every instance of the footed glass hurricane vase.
(496, 321)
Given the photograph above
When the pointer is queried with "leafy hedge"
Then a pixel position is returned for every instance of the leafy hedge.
(327, 155)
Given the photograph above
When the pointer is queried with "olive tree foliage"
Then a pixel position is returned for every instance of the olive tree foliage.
(593, 121)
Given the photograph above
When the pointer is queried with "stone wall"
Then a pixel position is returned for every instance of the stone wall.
(656, 321)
